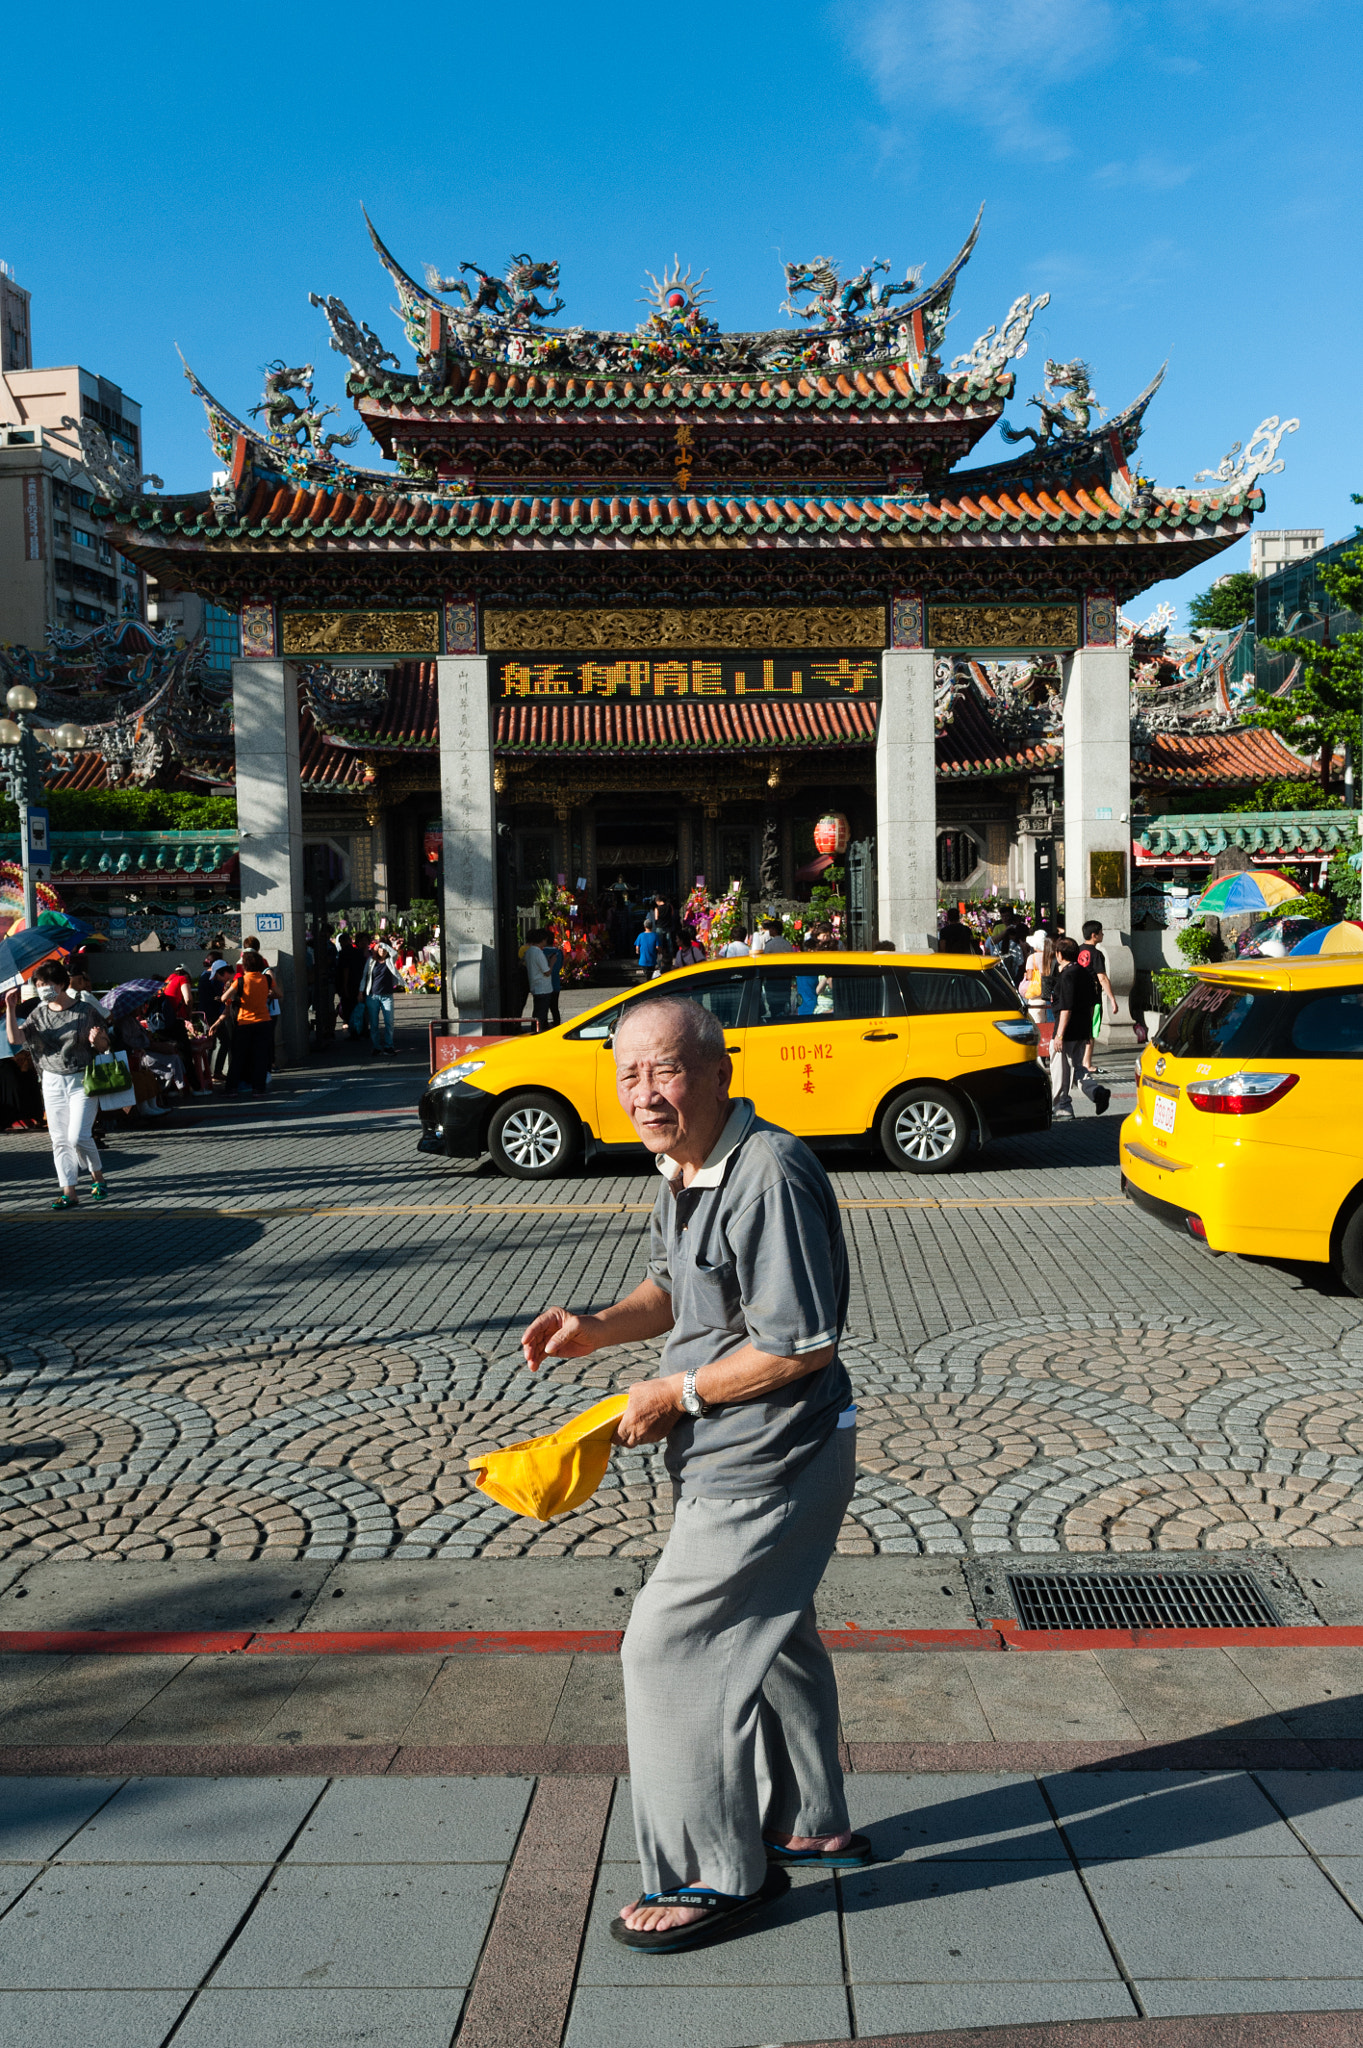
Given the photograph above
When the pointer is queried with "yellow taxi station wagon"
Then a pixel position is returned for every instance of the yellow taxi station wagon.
(913, 1051)
(1247, 1131)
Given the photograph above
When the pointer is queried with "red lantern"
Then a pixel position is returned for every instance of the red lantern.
(832, 833)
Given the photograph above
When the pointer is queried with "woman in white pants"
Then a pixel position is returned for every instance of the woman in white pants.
(62, 1032)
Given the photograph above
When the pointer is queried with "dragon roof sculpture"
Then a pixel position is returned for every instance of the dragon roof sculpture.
(502, 321)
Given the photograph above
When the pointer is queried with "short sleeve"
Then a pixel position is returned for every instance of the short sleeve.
(659, 1262)
(789, 1269)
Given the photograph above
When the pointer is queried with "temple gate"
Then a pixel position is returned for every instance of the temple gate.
(637, 605)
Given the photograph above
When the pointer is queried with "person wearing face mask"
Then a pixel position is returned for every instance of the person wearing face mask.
(63, 1032)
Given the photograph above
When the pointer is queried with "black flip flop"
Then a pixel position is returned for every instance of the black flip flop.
(857, 1851)
(722, 1911)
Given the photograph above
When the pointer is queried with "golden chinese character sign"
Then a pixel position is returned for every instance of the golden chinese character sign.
(648, 678)
(1107, 875)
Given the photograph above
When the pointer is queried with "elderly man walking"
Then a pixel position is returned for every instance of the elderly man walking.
(731, 1700)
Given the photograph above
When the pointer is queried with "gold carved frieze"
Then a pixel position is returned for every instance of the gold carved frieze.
(361, 632)
(511, 632)
(953, 627)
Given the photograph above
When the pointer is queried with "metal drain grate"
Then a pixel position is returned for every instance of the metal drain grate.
(1140, 1600)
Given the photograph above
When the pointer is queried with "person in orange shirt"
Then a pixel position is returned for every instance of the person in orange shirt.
(247, 999)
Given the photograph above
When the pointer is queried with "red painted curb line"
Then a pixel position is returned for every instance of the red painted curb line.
(998, 1635)
(169, 1642)
(1015, 1638)
(448, 1642)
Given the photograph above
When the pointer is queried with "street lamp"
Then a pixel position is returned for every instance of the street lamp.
(25, 761)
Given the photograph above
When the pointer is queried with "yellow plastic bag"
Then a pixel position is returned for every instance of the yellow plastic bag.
(547, 1475)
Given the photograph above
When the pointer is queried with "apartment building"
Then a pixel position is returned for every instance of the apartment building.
(56, 566)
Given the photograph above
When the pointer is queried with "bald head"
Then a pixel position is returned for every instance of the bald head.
(696, 1032)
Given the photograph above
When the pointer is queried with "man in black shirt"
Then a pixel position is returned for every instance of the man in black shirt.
(956, 937)
(1076, 993)
(1092, 957)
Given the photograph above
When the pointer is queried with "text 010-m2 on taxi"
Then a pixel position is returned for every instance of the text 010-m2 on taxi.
(1248, 1130)
(916, 1052)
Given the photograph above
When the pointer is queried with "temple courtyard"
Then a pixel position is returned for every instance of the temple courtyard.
(305, 1740)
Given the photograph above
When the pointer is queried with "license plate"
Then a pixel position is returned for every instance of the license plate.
(1164, 1113)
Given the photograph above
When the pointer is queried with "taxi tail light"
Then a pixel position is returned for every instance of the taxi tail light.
(1241, 1094)
(1197, 1228)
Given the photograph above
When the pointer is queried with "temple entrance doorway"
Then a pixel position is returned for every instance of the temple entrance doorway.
(636, 860)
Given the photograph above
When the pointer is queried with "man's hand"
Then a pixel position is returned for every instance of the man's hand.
(557, 1333)
(655, 1409)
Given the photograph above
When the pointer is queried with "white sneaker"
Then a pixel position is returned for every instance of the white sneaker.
(152, 1109)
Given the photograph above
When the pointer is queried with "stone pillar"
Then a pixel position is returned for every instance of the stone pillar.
(270, 825)
(469, 823)
(906, 802)
(1096, 693)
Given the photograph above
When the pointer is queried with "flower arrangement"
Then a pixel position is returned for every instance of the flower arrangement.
(699, 911)
(582, 945)
(724, 916)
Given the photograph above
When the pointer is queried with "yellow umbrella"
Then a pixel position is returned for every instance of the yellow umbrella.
(1346, 937)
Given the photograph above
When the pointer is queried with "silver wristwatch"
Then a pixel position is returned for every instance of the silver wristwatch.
(691, 1400)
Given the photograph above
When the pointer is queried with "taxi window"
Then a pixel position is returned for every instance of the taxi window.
(939, 992)
(815, 989)
(722, 994)
(1224, 1023)
(1330, 1025)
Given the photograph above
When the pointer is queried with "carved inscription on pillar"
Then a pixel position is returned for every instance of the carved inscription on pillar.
(508, 632)
(970, 626)
(361, 632)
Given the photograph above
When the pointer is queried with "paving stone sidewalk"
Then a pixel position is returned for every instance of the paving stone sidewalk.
(288, 1912)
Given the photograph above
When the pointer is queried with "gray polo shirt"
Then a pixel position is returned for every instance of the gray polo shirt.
(752, 1252)
(59, 1040)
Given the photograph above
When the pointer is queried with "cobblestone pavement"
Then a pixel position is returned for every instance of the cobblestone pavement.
(290, 1331)
(1092, 1433)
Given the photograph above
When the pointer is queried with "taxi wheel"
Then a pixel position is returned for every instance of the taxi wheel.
(924, 1129)
(533, 1137)
(1349, 1255)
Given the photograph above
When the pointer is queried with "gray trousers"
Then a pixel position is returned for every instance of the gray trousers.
(1068, 1071)
(730, 1697)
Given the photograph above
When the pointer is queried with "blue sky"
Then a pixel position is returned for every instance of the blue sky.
(1184, 180)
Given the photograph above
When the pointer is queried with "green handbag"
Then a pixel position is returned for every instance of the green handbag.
(107, 1074)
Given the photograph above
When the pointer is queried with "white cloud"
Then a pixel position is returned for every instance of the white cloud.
(1149, 173)
(994, 62)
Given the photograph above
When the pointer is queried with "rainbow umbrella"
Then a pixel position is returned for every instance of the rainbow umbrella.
(1345, 937)
(1259, 892)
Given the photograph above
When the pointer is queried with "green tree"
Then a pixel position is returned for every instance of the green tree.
(1227, 604)
(131, 810)
(1286, 793)
(1321, 712)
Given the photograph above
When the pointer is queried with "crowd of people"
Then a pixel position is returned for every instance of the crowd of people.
(73, 1060)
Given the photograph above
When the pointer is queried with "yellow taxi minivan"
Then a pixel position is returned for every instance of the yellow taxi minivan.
(919, 1052)
(1248, 1126)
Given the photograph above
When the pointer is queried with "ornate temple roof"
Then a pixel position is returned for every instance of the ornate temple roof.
(1268, 836)
(679, 462)
(1246, 756)
(680, 728)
